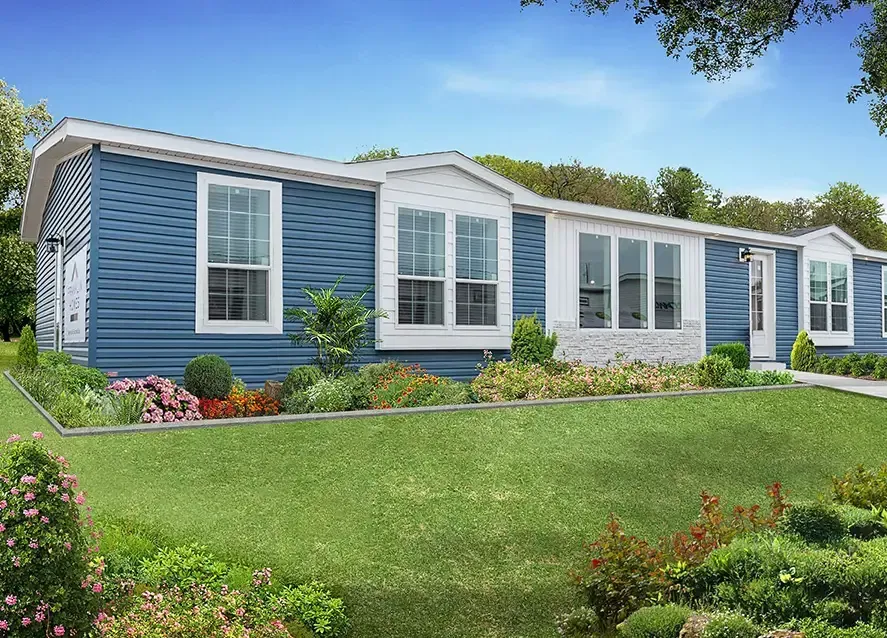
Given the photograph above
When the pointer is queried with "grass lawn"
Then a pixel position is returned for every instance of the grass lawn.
(8, 352)
(462, 524)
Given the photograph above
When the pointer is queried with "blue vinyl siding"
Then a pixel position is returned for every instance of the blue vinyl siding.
(145, 297)
(67, 212)
(727, 302)
(867, 312)
(529, 265)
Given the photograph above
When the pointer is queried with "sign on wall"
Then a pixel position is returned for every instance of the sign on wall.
(74, 316)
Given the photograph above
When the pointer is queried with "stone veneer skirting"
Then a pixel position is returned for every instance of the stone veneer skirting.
(597, 347)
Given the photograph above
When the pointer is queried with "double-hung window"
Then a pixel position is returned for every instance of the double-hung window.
(239, 255)
(477, 266)
(421, 267)
(829, 296)
(884, 300)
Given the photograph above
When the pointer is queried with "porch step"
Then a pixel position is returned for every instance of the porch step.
(767, 365)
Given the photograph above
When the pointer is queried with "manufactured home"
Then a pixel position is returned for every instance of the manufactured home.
(153, 248)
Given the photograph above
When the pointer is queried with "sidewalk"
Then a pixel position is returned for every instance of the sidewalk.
(846, 384)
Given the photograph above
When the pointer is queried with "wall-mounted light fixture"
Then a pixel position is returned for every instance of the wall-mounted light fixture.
(53, 243)
(745, 255)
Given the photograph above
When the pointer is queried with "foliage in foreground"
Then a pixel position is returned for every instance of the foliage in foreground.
(529, 343)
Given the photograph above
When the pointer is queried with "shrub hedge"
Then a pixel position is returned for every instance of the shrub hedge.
(737, 353)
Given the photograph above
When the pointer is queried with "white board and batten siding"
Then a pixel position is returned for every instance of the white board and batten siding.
(599, 345)
(448, 190)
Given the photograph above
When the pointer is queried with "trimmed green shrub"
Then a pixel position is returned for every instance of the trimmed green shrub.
(712, 371)
(844, 365)
(26, 358)
(580, 622)
(825, 364)
(803, 355)
(862, 487)
(730, 625)
(451, 393)
(330, 395)
(53, 359)
(880, 370)
(316, 607)
(529, 343)
(184, 566)
(295, 403)
(867, 364)
(737, 353)
(753, 378)
(299, 379)
(208, 376)
(655, 622)
(815, 522)
(76, 378)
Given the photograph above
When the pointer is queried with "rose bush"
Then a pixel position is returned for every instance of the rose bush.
(165, 402)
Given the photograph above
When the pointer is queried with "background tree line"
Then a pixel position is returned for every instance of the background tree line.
(681, 192)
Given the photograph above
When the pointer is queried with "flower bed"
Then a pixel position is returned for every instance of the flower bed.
(165, 402)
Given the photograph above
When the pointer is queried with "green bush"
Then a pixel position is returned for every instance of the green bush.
(815, 628)
(880, 370)
(314, 605)
(182, 567)
(330, 395)
(655, 622)
(712, 371)
(27, 350)
(867, 364)
(43, 384)
(862, 487)
(580, 622)
(737, 353)
(299, 379)
(127, 407)
(53, 359)
(815, 522)
(76, 411)
(864, 524)
(208, 376)
(451, 393)
(529, 343)
(730, 625)
(824, 364)
(753, 378)
(803, 355)
(76, 378)
(845, 365)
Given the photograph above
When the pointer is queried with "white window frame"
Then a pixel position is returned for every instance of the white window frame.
(274, 324)
(399, 277)
(829, 337)
(490, 282)
(614, 283)
(883, 300)
(828, 303)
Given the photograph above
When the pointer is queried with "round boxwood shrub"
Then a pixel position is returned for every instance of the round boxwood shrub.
(655, 622)
(803, 355)
(737, 353)
(300, 379)
(46, 575)
(27, 349)
(208, 376)
(815, 522)
(712, 371)
(730, 625)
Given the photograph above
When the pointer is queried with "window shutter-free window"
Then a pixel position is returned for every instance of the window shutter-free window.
(477, 260)
(421, 266)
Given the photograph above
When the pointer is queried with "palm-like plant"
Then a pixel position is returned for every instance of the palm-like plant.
(336, 326)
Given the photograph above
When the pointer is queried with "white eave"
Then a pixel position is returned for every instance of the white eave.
(73, 134)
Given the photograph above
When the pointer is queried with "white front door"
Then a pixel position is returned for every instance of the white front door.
(762, 307)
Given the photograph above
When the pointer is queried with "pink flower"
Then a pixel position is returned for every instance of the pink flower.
(10, 542)
(58, 630)
(33, 545)
(44, 520)
(67, 546)
(4, 625)
(11, 600)
(37, 435)
(26, 621)
(80, 499)
(30, 480)
(2, 527)
(39, 616)
(2, 505)
(29, 496)
(52, 489)
(31, 512)
(14, 491)
(65, 497)
(97, 588)
(14, 438)
(16, 562)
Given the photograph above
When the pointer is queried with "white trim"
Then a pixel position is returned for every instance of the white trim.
(883, 303)
(828, 337)
(233, 168)
(768, 280)
(274, 325)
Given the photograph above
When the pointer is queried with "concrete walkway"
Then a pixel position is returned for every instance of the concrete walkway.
(846, 384)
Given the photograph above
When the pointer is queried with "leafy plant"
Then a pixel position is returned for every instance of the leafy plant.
(43, 384)
(880, 370)
(316, 607)
(712, 371)
(406, 387)
(577, 623)
(330, 395)
(754, 378)
(862, 487)
(27, 349)
(803, 356)
(847, 363)
(47, 575)
(529, 343)
(730, 625)
(736, 352)
(74, 411)
(208, 376)
(184, 566)
(864, 524)
(128, 407)
(663, 621)
(299, 379)
(815, 522)
(53, 359)
(165, 402)
(337, 327)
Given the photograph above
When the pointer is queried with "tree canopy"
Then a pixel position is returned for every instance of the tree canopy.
(19, 123)
(721, 37)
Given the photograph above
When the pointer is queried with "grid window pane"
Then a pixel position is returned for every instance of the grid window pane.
(237, 295)
(819, 317)
(421, 241)
(420, 302)
(839, 318)
(757, 295)
(632, 283)
(475, 304)
(818, 281)
(839, 283)
(667, 282)
(595, 287)
(477, 248)
(238, 225)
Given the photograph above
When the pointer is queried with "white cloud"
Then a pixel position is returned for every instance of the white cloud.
(711, 95)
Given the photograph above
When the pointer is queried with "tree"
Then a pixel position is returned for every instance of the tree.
(680, 192)
(721, 37)
(18, 125)
(854, 211)
(376, 153)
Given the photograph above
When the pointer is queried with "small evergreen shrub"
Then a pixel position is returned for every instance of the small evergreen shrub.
(815, 522)
(880, 370)
(580, 622)
(182, 567)
(299, 379)
(314, 605)
(26, 357)
(825, 364)
(529, 343)
(803, 356)
(845, 365)
(753, 378)
(53, 359)
(737, 353)
(862, 487)
(867, 364)
(76, 378)
(656, 622)
(208, 376)
(730, 625)
(330, 395)
(46, 572)
(712, 371)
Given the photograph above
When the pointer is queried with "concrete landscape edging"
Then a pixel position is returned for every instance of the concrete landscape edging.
(358, 414)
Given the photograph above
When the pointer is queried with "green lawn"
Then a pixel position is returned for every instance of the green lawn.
(462, 524)
(8, 351)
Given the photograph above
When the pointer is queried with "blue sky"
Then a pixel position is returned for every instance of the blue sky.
(332, 78)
